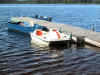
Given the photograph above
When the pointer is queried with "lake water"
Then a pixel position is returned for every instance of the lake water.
(19, 57)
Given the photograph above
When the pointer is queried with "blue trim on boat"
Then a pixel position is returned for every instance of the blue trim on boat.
(25, 27)
(17, 27)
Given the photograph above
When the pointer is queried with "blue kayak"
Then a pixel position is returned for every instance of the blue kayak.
(21, 27)
(24, 27)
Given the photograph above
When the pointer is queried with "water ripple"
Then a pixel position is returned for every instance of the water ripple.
(19, 57)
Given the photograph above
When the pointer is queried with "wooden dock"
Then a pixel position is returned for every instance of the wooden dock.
(91, 37)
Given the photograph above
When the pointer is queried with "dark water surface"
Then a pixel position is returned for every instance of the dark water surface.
(19, 57)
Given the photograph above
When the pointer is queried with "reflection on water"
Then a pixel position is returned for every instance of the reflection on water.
(19, 57)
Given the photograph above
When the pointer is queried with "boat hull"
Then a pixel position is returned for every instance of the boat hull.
(20, 28)
(51, 44)
(39, 42)
(60, 44)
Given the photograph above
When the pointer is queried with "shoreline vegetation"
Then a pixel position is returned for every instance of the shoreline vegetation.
(49, 1)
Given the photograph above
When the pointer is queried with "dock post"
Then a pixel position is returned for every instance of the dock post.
(80, 42)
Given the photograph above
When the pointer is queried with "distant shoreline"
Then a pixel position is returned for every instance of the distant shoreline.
(32, 2)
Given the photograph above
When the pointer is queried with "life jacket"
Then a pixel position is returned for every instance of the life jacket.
(39, 32)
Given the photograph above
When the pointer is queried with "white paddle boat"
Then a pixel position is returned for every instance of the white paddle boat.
(49, 37)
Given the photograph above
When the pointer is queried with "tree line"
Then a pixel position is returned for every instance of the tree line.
(49, 1)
